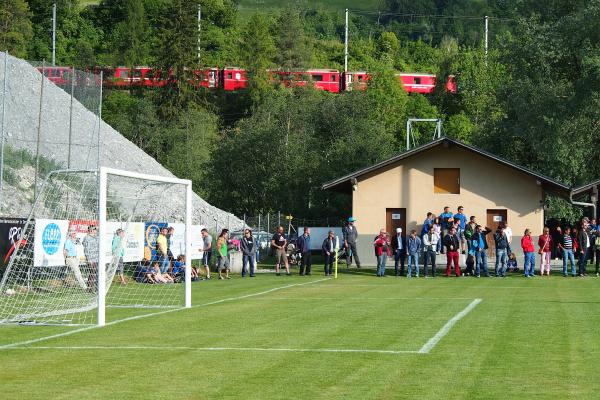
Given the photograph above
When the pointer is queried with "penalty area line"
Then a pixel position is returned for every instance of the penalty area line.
(431, 343)
(118, 321)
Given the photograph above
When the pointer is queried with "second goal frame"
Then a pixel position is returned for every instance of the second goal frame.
(104, 173)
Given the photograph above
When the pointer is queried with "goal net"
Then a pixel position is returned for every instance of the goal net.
(100, 245)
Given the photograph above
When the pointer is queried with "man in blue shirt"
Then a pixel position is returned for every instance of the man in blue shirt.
(304, 249)
(71, 259)
(462, 223)
(427, 223)
(446, 221)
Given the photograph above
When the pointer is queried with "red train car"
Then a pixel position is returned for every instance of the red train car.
(234, 78)
(58, 75)
(324, 79)
(417, 83)
(208, 78)
(451, 85)
(356, 80)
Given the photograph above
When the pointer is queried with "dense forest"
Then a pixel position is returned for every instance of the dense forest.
(534, 98)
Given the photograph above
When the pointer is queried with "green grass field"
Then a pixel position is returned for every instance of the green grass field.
(355, 337)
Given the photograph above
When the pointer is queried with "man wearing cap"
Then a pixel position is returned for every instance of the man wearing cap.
(350, 236)
(399, 249)
(71, 259)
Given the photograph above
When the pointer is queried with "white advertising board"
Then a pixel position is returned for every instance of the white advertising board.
(49, 242)
(134, 239)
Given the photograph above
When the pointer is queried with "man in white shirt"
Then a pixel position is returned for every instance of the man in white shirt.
(399, 249)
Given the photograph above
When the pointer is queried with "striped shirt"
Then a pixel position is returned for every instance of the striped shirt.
(567, 243)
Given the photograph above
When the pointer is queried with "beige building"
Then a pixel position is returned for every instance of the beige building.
(400, 191)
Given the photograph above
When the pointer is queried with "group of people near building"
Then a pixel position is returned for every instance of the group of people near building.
(453, 234)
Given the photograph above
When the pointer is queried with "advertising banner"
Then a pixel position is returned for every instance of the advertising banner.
(178, 240)
(134, 239)
(151, 232)
(49, 242)
(11, 230)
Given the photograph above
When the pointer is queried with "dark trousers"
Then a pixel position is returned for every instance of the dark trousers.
(452, 256)
(399, 258)
(429, 257)
(305, 263)
(597, 259)
(352, 250)
(583, 257)
(329, 259)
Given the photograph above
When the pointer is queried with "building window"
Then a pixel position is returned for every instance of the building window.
(446, 180)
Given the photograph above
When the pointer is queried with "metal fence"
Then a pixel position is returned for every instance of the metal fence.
(50, 118)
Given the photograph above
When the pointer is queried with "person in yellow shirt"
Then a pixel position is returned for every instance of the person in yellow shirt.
(162, 251)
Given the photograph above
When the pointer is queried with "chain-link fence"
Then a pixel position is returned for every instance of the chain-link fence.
(50, 119)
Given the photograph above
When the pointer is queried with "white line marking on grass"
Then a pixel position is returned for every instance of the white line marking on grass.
(431, 343)
(171, 348)
(87, 328)
(366, 298)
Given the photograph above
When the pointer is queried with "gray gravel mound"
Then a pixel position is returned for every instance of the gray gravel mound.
(21, 132)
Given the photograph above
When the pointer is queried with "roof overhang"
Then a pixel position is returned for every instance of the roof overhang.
(345, 183)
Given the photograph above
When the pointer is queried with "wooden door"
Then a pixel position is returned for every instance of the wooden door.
(395, 218)
(494, 217)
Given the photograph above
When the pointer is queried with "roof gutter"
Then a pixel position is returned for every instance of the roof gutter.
(579, 203)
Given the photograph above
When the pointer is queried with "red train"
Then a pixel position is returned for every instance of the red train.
(231, 79)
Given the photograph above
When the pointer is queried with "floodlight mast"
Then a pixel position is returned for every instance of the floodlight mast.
(436, 135)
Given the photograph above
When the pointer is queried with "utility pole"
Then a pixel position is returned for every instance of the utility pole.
(199, 29)
(346, 44)
(486, 19)
(54, 34)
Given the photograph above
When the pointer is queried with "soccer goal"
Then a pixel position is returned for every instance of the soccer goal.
(100, 245)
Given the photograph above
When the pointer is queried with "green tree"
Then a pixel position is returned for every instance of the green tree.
(15, 27)
(258, 50)
(293, 48)
(131, 35)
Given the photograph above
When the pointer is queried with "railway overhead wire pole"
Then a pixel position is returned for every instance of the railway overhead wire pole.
(409, 134)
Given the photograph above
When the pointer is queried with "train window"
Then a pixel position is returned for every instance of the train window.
(318, 78)
(238, 76)
(123, 73)
(230, 75)
(417, 81)
(332, 78)
(359, 78)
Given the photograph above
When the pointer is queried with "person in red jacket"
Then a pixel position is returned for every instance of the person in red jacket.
(545, 243)
(382, 251)
(529, 252)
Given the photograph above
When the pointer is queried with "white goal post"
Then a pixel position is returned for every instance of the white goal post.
(99, 240)
(102, 231)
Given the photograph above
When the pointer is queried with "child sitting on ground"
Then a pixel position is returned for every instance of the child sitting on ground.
(161, 278)
(512, 263)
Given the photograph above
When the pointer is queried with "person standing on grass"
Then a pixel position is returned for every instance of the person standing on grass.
(162, 249)
(430, 241)
(399, 250)
(446, 220)
(414, 245)
(118, 252)
(528, 253)
(565, 245)
(206, 251)
(501, 242)
(328, 248)
(71, 259)
(545, 251)
(479, 246)
(90, 250)
(427, 223)
(350, 235)
(248, 248)
(593, 229)
(170, 237)
(304, 249)
(461, 218)
(223, 254)
(382, 251)
(509, 235)
(278, 243)
(451, 245)
(584, 247)
(437, 229)
(470, 231)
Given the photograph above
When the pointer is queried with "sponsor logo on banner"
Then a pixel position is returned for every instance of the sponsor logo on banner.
(49, 242)
(134, 240)
(152, 230)
(11, 231)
